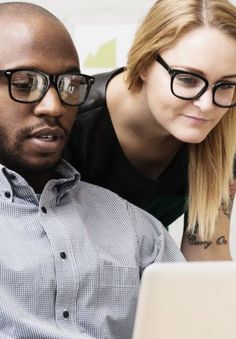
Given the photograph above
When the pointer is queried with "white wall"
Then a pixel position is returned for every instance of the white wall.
(99, 27)
(96, 11)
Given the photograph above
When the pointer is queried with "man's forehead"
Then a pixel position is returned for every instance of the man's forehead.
(17, 25)
(39, 39)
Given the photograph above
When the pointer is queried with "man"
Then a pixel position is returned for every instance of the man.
(71, 254)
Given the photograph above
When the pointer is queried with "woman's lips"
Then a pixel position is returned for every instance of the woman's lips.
(196, 119)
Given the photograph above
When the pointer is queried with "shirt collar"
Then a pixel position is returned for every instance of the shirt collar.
(66, 178)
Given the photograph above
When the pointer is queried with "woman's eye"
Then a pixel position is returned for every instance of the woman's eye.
(187, 80)
(227, 86)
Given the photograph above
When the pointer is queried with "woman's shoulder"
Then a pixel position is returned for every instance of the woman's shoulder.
(97, 94)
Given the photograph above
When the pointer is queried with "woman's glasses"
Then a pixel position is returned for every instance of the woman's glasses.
(189, 86)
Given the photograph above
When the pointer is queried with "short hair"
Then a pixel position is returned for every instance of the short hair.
(13, 11)
(20, 9)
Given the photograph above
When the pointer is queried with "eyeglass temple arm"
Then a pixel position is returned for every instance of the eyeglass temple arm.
(91, 80)
(163, 63)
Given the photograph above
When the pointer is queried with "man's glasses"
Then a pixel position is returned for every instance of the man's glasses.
(28, 86)
(189, 86)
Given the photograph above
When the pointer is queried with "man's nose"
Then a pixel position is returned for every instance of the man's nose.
(50, 105)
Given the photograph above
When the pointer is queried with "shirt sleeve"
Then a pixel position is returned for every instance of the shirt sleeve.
(154, 242)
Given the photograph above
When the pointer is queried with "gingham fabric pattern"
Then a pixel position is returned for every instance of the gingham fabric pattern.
(71, 261)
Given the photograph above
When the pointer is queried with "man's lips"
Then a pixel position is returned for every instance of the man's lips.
(48, 134)
(46, 140)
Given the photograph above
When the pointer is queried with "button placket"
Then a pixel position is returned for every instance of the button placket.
(63, 255)
(66, 314)
(43, 209)
(7, 194)
(66, 290)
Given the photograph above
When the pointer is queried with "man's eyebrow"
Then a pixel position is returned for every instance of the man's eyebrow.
(72, 69)
(37, 69)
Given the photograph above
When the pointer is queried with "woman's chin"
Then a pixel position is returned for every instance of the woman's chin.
(191, 138)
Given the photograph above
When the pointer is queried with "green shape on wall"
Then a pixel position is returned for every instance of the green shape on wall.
(105, 57)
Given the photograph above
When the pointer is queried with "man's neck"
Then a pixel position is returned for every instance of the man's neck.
(37, 181)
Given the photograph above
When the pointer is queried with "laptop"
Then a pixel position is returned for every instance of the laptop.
(187, 301)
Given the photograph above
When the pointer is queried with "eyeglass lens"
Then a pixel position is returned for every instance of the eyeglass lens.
(30, 86)
(190, 86)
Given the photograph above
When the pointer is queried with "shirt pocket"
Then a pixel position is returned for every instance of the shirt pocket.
(117, 276)
(111, 293)
(118, 294)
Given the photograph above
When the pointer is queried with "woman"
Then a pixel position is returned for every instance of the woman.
(162, 131)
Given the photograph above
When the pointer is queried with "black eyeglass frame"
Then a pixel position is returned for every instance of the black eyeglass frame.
(51, 79)
(173, 72)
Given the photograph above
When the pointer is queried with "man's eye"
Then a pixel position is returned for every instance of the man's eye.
(22, 85)
(69, 85)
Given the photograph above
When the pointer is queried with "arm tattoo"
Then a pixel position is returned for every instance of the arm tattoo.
(193, 240)
(228, 209)
(221, 241)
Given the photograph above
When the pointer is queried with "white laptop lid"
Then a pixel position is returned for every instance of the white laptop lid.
(187, 301)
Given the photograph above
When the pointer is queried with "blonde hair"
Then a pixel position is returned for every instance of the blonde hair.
(211, 161)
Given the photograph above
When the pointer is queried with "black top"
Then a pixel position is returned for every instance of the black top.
(96, 153)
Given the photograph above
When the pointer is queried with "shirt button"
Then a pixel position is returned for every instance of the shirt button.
(7, 194)
(66, 314)
(44, 210)
(63, 255)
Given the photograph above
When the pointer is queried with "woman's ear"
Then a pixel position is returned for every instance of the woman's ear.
(143, 75)
(145, 72)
